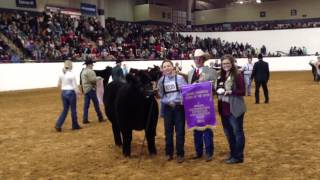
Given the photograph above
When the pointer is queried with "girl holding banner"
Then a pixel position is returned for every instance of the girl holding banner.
(173, 111)
(231, 106)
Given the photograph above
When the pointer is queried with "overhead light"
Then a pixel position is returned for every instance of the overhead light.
(258, 1)
(241, 2)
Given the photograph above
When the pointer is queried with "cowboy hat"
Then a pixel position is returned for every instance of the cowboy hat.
(200, 53)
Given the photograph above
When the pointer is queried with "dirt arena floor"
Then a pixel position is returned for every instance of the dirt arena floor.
(282, 140)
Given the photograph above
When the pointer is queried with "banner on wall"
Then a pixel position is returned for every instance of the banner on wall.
(88, 9)
(198, 105)
(26, 3)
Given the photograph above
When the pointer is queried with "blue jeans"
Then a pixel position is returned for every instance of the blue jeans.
(233, 129)
(161, 109)
(247, 82)
(205, 136)
(174, 119)
(69, 99)
(93, 96)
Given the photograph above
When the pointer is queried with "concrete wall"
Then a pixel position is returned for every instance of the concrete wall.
(151, 12)
(120, 9)
(278, 10)
(43, 75)
(156, 13)
(72, 3)
(274, 40)
(11, 4)
(142, 12)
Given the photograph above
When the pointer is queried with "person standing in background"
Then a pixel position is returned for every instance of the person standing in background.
(125, 70)
(89, 82)
(68, 84)
(117, 73)
(261, 74)
(177, 67)
(247, 72)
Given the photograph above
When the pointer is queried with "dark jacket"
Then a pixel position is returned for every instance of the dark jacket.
(117, 74)
(260, 72)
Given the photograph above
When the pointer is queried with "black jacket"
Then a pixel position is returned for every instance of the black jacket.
(260, 71)
(117, 74)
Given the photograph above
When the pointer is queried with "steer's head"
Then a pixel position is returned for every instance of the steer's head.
(141, 80)
(155, 73)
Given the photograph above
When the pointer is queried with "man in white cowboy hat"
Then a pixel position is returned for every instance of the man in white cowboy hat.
(88, 83)
(202, 73)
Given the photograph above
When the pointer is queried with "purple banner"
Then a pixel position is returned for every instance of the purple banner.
(199, 105)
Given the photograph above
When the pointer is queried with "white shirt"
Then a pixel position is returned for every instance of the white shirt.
(247, 69)
(68, 81)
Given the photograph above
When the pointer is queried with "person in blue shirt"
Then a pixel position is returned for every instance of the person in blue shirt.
(173, 111)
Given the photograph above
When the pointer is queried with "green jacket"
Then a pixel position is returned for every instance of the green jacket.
(89, 80)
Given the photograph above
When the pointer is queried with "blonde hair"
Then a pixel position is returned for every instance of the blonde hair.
(67, 66)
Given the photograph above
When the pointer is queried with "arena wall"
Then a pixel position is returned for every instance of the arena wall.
(141, 12)
(151, 12)
(274, 40)
(122, 10)
(277, 10)
(11, 4)
(44, 75)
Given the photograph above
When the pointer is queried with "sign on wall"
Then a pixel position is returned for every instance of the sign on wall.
(88, 9)
(26, 3)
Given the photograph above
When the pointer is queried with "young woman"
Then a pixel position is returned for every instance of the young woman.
(68, 84)
(231, 89)
(173, 111)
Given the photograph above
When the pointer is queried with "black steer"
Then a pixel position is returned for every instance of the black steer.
(132, 106)
(105, 74)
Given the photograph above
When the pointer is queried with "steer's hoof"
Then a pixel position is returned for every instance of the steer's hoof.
(153, 153)
(126, 155)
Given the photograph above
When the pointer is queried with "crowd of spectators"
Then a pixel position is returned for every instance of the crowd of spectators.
(298, 51)
(49, 36)
(4, 55)
(54, 36)
(7, 55)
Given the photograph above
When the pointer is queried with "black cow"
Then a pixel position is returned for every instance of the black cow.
(105, 74)
(131, 105)
(314, 71)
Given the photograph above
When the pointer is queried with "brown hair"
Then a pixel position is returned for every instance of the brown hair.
(233, 70)
(166, 60)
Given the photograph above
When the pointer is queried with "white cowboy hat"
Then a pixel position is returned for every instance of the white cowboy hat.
(200, 53)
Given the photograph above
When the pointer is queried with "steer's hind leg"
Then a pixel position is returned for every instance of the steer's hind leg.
(151, 144)
(116, 134)
(127, 137)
